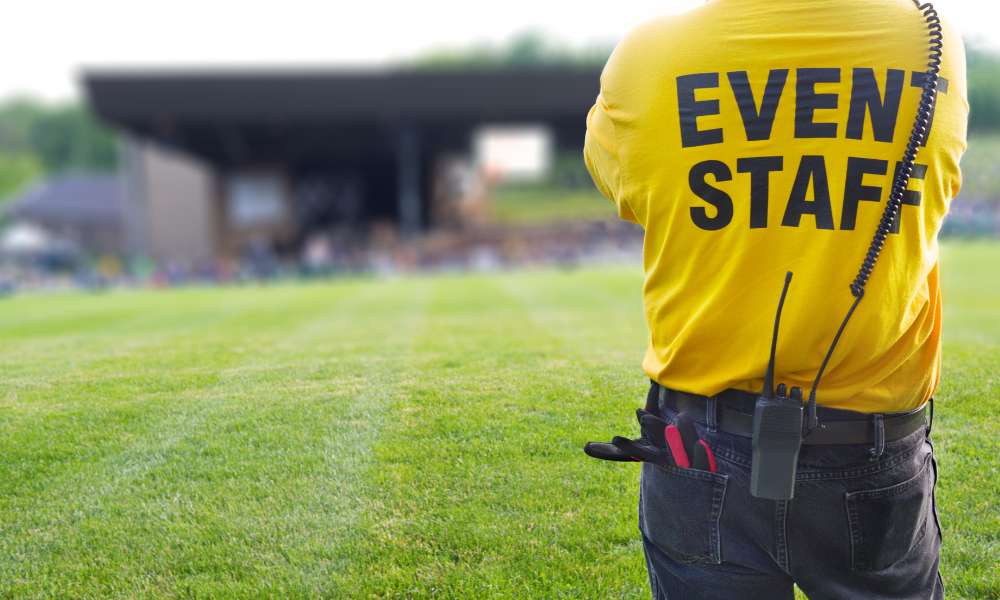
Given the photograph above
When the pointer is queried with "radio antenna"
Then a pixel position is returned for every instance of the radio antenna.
(769, 377)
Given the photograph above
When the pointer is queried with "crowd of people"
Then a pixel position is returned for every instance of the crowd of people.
(324, 254)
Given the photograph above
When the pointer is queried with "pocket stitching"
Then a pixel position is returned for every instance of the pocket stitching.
(719, 482)
(718, 501)
(854, 520)
(892, 490)
(694, 473)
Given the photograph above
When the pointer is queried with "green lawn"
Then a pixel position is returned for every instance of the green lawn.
(541, 204)
(406, 438)
(980, 180)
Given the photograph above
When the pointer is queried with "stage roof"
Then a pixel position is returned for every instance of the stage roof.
(239, 115)
(235, 95)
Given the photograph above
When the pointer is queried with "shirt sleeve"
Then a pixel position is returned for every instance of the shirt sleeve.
(600, 153)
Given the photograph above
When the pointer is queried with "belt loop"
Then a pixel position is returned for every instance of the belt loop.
(712, 414)
(652, 398)
(879, 449)
(930, 421)
(663, 400)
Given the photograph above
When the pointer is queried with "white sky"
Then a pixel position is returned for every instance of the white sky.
(45, 42)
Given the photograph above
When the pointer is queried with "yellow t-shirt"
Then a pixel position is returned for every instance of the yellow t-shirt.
(754, 137)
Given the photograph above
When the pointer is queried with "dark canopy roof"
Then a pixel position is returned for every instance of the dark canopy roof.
(194, 110)
(73, 199)
(124, 96)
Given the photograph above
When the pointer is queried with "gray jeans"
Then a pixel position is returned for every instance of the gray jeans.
(858, 526)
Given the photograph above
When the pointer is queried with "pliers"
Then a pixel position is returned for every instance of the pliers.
(662, 442)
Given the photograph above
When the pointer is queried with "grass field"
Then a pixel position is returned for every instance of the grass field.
(540, 204)
(413, 437)
(979, 168)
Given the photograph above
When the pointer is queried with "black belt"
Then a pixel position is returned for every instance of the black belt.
(734, 414)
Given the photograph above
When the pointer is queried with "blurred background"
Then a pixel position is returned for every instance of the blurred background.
(217, 142)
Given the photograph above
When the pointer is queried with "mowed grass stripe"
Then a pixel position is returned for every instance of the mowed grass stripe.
(158, 454)
(484, 491)
(57, 422)
(147, 411)
(156, 328)
(310, 449)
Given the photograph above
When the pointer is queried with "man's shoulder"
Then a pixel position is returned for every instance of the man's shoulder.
(648, 51)
(662, 31)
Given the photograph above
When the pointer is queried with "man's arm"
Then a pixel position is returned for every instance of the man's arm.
(601, 155)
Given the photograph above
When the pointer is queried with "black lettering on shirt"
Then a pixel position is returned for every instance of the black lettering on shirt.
(690, 109)
(760, 168)
(807, 101)
(910, 197)
(855, 190)
(758, 123)
(865, 97)
(720, 200)
(811, 169)
(917, 79)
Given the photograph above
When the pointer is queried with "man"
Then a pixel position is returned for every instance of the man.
(750, 138)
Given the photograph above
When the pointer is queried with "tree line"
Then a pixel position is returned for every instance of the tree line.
(37, 139)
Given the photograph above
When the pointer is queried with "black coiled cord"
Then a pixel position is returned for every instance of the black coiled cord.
(902, 179)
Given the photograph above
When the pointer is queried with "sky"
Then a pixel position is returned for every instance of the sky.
(45, 43)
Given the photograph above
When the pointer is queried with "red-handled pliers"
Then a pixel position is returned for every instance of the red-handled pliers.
(662, 442)
(688, 450)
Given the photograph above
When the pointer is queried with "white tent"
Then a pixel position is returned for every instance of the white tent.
(24, 238)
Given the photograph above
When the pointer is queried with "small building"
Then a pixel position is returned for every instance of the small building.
(219, 161)
(84, 210)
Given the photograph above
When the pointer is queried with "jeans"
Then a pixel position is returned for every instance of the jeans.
(860, 525)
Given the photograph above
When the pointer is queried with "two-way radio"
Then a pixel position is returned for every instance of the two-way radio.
(777, 428)
(778, 415)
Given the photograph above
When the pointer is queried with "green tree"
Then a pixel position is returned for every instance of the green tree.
(62, 137)
(17, 171)
(526, 49)
(984, 89)
(17, 116)
(67, 137)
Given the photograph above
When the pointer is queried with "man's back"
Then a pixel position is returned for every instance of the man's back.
(750, 138)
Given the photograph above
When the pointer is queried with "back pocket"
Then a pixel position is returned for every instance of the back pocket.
(887, 523)
(679, 511)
